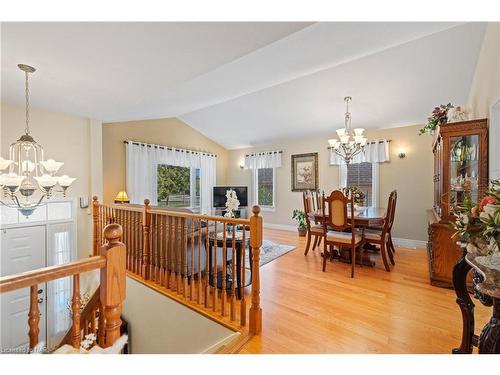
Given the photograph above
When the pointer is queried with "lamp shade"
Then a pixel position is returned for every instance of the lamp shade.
(122, 197)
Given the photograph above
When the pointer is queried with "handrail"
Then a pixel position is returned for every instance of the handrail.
(186, 215)
(205, 262)
(111, 295)
(43, 275)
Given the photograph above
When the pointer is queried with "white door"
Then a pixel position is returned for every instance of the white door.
(22, 249)
(60, 250)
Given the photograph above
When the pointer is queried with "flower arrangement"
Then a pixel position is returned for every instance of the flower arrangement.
(439, 116)
(232, 203)
(357, 195)
(479, 225)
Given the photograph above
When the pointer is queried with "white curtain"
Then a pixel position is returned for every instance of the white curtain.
(142, 162)
(375, 152)
(270, 159)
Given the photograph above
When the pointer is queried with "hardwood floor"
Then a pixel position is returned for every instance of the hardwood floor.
(306, 310)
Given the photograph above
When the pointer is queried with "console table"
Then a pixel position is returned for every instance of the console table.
(487, 290)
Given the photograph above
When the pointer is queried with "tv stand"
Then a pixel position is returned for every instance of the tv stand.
(241, 213)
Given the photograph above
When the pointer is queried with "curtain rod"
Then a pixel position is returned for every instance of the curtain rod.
(264, 153)
(169, 148)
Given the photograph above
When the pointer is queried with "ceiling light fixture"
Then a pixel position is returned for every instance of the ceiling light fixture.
(28, 172)
(346, 148)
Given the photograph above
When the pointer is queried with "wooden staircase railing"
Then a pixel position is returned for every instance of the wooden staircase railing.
(179, 254)
(111, 262)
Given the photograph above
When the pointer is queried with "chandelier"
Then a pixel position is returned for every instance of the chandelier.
(26, 178)
(344, 146)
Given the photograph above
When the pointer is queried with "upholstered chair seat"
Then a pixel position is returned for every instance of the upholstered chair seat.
(343, 237)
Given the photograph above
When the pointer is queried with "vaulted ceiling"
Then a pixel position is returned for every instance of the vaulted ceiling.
(243, 84)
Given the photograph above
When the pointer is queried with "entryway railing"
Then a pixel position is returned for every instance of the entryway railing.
(205, 262)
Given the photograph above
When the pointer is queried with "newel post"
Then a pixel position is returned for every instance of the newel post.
(255, 323)
(146, 223)
(95, 220)
(113, 282)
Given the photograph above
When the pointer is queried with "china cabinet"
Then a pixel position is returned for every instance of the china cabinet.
(460, 178)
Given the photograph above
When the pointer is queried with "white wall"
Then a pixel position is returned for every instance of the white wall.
(168, 327)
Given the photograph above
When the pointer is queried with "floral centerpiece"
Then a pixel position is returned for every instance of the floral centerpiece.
(439, 116)
(358, 197)
(232, 203)
(479, 225)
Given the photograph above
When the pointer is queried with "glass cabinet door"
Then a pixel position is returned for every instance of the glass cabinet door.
(464, 171)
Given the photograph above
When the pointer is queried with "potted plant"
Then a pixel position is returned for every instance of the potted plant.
(439, 116)
(300, 217)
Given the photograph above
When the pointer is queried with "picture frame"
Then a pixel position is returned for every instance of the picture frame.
(305, 172)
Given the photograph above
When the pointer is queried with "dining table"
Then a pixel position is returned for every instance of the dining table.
(363, 217)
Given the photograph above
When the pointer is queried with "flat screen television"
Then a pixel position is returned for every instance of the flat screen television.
(220, 195)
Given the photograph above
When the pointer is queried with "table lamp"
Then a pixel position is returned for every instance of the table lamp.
(122, 197)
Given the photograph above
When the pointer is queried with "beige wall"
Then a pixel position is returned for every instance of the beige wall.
(411, 176)
(485, 89)
(64, 138)
(168, 327)
(169, 132)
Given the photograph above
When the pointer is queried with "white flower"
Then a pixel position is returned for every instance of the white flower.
(464, 218)
(232, 203)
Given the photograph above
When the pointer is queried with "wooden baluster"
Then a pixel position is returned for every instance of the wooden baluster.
(208, 252)
(76, 333)
(33, 317)
(161, 245)
(243, 302)
(85, 328)
(95, 226)
(214, 272)
(137, 245)
(184, 256)
(128, 241)
(232, 303)
(101, 334)
(152, 248)
(171, 268)
(255, 314)
(146, 249)
(157, 248)
(191, 276)
(92, 322)
(198, 285)
(223, 275)
(113, 282)
(178, 254)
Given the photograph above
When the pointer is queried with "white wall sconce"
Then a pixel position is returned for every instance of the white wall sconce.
(402, 155)
(242, 163)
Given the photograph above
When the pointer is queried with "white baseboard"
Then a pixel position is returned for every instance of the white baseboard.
(403, 242)
(287, 227)
(409, 244)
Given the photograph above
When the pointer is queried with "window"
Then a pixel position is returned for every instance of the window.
(364, 176)
(178, 186)
(264, 186)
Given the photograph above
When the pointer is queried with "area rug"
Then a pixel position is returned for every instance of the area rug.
(270, 251)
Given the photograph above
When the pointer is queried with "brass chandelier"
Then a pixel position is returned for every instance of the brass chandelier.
(26, 178)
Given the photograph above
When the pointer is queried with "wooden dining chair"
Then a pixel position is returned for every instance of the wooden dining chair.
(335, 225)
(382, 235)
(313, 229)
